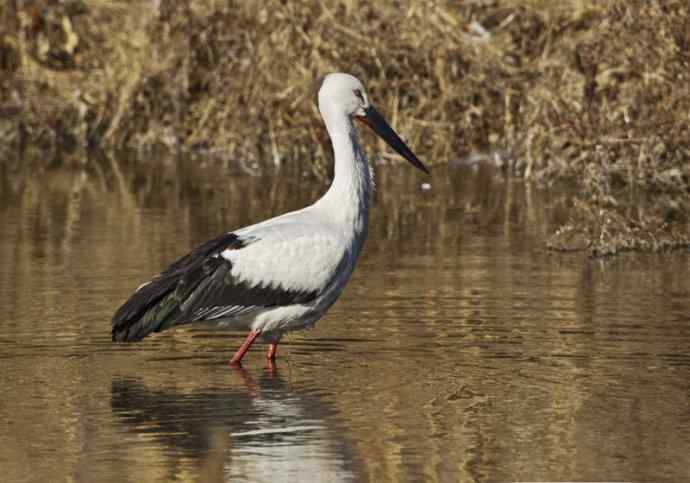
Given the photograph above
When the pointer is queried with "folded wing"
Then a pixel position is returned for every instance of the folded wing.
(230, 276)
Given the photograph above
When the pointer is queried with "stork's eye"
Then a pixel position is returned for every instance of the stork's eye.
(359, 95)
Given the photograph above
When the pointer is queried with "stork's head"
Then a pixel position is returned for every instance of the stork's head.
(344, 94)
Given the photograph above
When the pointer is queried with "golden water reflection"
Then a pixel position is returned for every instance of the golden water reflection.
(460, 351)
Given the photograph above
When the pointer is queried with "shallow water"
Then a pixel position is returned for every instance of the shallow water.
(460, 351)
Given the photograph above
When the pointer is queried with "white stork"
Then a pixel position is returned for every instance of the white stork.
(284, 273)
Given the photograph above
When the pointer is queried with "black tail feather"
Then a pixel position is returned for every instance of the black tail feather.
(144, 311)
(155, 305)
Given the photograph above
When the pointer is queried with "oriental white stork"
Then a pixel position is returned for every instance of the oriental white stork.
(284, 273)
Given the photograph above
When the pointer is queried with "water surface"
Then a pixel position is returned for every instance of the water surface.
(460, 351)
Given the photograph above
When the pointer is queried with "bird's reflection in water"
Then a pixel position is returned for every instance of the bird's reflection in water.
(253, 429)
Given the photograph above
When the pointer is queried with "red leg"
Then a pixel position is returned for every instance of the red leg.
(272, 349)
(237, 358)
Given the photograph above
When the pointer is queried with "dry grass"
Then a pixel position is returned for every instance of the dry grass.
(595, 91)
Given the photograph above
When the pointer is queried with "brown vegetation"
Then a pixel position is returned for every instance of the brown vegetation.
(595, 91)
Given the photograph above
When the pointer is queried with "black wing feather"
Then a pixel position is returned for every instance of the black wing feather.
(198, 286)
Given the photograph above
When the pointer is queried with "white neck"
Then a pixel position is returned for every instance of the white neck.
(347, 200)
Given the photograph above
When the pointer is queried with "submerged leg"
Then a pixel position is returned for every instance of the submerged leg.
(237, 358)
(272, 350)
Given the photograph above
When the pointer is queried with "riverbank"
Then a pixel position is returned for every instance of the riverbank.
(591, 92)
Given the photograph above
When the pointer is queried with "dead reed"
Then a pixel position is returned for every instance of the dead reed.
(586, 90)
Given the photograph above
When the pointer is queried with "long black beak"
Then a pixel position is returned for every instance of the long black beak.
(375, 121)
